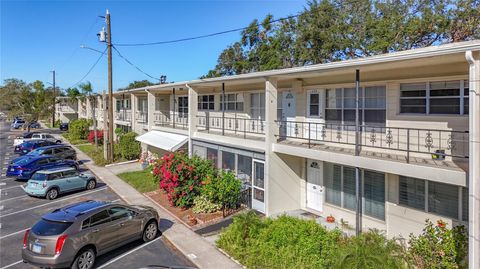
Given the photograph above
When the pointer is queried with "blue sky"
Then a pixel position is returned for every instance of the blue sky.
(39, 36)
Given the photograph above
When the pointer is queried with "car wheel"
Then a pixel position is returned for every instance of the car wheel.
(74, 166)
(91, 184)
(58, 141)
(52, 194)
(84, 260)
(150, 231)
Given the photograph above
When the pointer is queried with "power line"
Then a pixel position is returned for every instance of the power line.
(90, 70)
(130, 63)
(201, 36)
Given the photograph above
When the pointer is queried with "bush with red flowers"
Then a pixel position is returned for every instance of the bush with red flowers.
(182, 177)
(91, 137)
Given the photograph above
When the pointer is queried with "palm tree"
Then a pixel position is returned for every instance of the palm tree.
(87, 91)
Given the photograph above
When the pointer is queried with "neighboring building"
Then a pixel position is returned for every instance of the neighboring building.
(290, 134)
(66, 109)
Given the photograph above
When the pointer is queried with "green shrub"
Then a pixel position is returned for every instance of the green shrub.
(224, 190)
(439, 247)
(203, 205)
(78, 129)
(128, 147)
(368, 250)
(285, 242)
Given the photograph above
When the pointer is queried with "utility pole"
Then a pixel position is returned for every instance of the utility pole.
(105, 125)
(54, 100)
(110, 91)
(358, 179)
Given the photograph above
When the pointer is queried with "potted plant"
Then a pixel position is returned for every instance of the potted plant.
(330, 219)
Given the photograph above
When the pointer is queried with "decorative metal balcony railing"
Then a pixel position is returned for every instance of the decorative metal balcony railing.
(123, 115)
(242, 126)
(171, 119)
(437, 143)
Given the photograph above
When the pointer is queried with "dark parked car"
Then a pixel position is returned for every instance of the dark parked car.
(73, 236)
(30, 145)
(59, 151)
(35, 125)
(63, 126)
(25, 168)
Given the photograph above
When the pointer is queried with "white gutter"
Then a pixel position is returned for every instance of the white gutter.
(474, 161)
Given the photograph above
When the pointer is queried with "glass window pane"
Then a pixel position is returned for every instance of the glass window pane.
(445, 106)
(259, 181)
(413, 106)
(228, 161)
(333, 180)
(465, 204)
(443, 199)
(244, 172)
(412, 192)
(212, 155)
(349, 196)
(99, 218)
(374, 194)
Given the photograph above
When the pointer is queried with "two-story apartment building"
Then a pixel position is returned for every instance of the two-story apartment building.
(291, 135)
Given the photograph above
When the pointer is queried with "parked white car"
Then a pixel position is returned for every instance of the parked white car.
(49, 137)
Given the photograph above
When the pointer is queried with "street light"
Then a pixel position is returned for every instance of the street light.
(86, 47)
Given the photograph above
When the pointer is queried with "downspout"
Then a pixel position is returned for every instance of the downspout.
(474, 162)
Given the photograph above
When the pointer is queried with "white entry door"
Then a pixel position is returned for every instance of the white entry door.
(258, 186)
(315, 193)
(288, 112)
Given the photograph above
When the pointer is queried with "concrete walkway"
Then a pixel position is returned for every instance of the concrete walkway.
(201, 252)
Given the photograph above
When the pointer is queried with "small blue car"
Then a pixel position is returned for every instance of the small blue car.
(52, 182)
(24, 169)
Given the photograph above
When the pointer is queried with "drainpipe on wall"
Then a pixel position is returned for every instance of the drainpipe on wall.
(474, 161)
(223, 108)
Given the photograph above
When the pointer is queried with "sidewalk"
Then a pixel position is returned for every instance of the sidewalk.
(202, 253)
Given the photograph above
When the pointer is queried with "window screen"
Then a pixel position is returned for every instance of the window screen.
(443, 199)
(206, 102)
(333, 181)
(412, 192)
(465, 204)
(349, 195)
(374, 194)
(413, 98)
(314, 108)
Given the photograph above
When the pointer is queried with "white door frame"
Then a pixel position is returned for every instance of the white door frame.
(256, 204)
(289, 127)
(315, 187)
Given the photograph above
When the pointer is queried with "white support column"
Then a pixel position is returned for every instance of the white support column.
(192, 116)
(473, 58)
(134, 111)
(150, 109)
(271, 94)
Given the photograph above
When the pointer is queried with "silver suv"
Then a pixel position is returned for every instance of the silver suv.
(74, 235)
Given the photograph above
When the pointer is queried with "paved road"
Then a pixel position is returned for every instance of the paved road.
(19, 212)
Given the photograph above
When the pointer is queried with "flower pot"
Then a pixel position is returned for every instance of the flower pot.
(330, 219)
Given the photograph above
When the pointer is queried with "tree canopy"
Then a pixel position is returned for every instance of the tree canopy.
(137, 84)
(334, 30)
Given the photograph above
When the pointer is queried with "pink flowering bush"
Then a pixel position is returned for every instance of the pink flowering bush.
(182, 177)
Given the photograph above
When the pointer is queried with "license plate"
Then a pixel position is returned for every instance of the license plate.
(36, 248)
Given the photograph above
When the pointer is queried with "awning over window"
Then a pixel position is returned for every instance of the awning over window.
(163, 140)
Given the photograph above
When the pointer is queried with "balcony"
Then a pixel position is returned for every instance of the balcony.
(426, 146)
(124, 115)
(232, 126)
(171, 119)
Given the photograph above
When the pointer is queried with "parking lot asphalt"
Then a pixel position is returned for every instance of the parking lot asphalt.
(19, 212)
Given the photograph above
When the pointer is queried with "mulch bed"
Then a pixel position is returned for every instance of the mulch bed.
(186, 215)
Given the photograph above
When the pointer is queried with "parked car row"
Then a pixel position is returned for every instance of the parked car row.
(35, 135)
(20, 123)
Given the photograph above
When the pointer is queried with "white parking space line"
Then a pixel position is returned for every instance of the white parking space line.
(8, 235)
(55, 201)
(128, 253)
(13, 198)
(12, 264)
(12, 187)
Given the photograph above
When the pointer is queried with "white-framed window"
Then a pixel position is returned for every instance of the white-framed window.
(340, 189)
(233, 102)
(142, 104)
(438, 97)
(434, 197)
(206, 102)
(182, 105)
(340, 105)
(257, 105)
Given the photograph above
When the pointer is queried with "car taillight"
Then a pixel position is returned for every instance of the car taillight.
(22, 168)
(25, 238)
(60, 242)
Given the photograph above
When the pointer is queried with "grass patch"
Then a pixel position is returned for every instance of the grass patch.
(74, 141)
(142, 181)
(97, 155)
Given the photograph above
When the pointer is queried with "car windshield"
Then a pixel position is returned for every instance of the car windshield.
(36, 152)
(28, 144)
(48, 227)
(23, 161)
(39, 177)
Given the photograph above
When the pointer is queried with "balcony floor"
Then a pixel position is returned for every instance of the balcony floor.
(457, 165)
